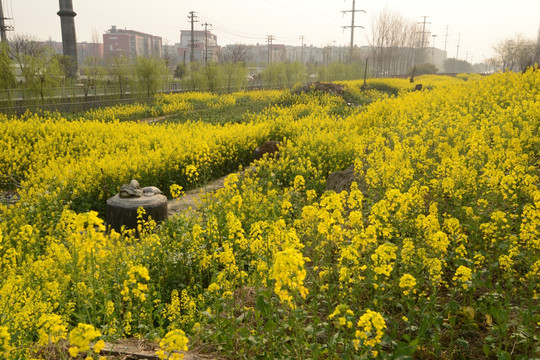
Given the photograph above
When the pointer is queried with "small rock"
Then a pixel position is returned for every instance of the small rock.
(151, 191)
(131, 190)
(271, 147)
(341, 180)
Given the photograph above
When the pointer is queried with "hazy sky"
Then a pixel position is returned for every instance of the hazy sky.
(481, 23)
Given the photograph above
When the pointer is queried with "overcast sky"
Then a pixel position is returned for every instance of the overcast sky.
(478, 24)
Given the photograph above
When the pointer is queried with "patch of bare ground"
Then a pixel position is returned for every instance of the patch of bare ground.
(154, 119)
(125, 349)
(139, 349)
(191, 200)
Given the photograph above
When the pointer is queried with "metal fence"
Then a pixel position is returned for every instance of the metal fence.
(78, 98)
(79, 90)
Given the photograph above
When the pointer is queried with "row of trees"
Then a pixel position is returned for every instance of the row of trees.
(235, 75)
(397, 46)
(36, 72)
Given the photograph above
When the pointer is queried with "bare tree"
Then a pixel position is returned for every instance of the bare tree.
(120, 70)
(393, 43)
(233, 62)
(167, 56)
(38, 64)
(22, 47)
(515, 54)
(237, 53)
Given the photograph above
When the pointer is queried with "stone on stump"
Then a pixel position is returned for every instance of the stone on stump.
(122, 208)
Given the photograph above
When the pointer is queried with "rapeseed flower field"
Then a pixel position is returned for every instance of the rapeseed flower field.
(433, 253)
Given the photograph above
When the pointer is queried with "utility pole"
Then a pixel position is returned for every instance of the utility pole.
(3, 26)
(193, 18)
(269, 40)
(457, 53)
(433, 48)
(446, 38)
(206, 43)
(353, 11)
(302, 50)
(423, 43)
(458, 41)
(69, 39)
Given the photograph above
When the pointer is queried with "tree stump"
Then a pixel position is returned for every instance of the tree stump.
(123, 211)
(341, 180)
(270, 147)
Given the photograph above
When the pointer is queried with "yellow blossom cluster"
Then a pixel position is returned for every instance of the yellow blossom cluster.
(370, 331)
(445, 199)
(173, 345)
(289, 273)
(80, 338)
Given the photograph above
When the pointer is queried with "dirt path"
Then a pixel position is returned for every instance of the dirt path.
(136, 349)
(154, 119)
(191, 199)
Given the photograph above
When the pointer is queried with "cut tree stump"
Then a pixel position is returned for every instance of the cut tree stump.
(123, 211)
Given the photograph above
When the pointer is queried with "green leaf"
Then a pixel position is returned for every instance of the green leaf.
(402, 357)
(413, 344)
(464, 343)
(270, 326)
(262, 305)
(503, 355)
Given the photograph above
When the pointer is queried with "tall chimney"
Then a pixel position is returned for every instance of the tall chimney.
(69, 39)
(3, 36)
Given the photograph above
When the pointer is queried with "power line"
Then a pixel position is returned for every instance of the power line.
(222, 28)
(317, 16)
(353, 11)
(226, 29)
